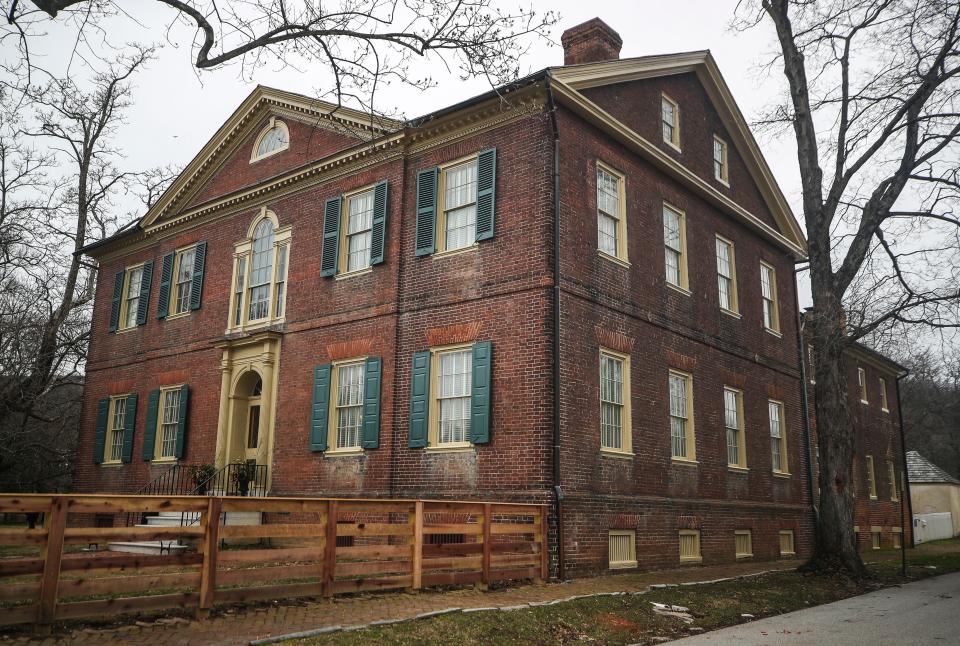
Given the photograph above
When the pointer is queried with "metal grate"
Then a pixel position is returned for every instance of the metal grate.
(622, 548)
(743, 541)
(689, 545)
(786, 542)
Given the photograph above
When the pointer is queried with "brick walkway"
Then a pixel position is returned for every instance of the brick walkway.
(241, 625)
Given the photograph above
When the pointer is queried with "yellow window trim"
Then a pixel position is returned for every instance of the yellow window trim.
(433, 433)
(622, 256)
(741, 431)
(790, 544)
(263, 133)
(871, 478)
(691, 437)
(631, 561)
(775, 318)
(158, 430)
(175, 292)
(626, 427)
(122, 323)
(892, 477)
(784, 469)
(684, 276)
(862, 384)
(743, 532)
(343, 256)
(734, 293)
(441, 231)
(725, 168)
(675, 142)
(107, 441)
(884, 402)
(243, 249)
(690, 557)
(332, 418)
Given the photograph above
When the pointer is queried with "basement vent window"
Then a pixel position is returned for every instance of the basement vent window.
(786, 543)
(876, 538)
(743, 541)
(622, 546)
(896, 537)
(690, 546)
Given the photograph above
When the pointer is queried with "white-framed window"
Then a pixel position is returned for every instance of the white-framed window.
(453, 395)
(721, 171)
(132, 283)
(884, 402)
(183, 267)
(778, 437)
(727, 276)
(169, 422)
(118, 418)
(743, 543)
(611, 213)
(615, 425)
(357, 232)
(260, 273)
(346, 413)
(733, 424)
(622, 548)
(681, 416)
(274, 138)
(675, 246)
(768, 294)
(670, 121)
(871, 478)
(689, 545)
(457, 226)
(787, 547)
(862, 385)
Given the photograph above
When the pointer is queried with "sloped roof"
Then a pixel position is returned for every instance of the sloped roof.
(919, 469)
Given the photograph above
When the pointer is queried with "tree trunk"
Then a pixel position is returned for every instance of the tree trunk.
(835, 547)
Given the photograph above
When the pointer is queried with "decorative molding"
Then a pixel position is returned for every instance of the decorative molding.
(614, 340)
(451, 334)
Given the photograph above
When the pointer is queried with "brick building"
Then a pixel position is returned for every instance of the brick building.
(577, 290)
(881, 491)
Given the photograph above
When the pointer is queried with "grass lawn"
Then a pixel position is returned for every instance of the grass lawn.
(630, 619)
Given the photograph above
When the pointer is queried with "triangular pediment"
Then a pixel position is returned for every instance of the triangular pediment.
(317, 129)
(573, 85)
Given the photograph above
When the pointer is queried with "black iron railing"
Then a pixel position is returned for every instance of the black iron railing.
(175, 481)
(236, 479)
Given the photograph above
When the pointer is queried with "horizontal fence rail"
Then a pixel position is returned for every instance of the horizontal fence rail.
(300, 547)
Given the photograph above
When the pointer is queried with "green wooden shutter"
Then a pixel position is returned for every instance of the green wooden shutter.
(182, 421)
(371, 403)
(143, 305)
(100, 435)
(150, 430)
(378, 229)
(480, 395)
(129, 424)
(426, 211)
(331, 236)
(321, 408)
(166, 273)
(115, 305)
(486, 193)
(196, 287)
(420, 400)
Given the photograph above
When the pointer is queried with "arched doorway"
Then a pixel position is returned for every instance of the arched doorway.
(248, 431)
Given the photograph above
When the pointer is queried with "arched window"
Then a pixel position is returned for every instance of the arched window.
(260, 275)
(273, 139)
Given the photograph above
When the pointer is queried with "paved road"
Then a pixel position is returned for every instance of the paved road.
(918, 614)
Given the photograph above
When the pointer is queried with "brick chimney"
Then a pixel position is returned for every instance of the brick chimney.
(590, 42)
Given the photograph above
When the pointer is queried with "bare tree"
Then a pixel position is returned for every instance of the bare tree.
(54, 203)
(873, 104)
(362, 44)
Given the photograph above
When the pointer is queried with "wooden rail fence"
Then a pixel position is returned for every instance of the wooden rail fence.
(304, 547)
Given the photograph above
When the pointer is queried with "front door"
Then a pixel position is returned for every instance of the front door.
(253, 439)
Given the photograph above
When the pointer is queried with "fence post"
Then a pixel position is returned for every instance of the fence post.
(330, 549)
(544, 543)
(55, 522)
(211, 548)
(487, 522)
(417, 561)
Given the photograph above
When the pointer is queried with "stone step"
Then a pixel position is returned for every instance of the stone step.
(147, 547)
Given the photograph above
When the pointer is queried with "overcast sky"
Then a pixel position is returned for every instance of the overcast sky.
(177, 108)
